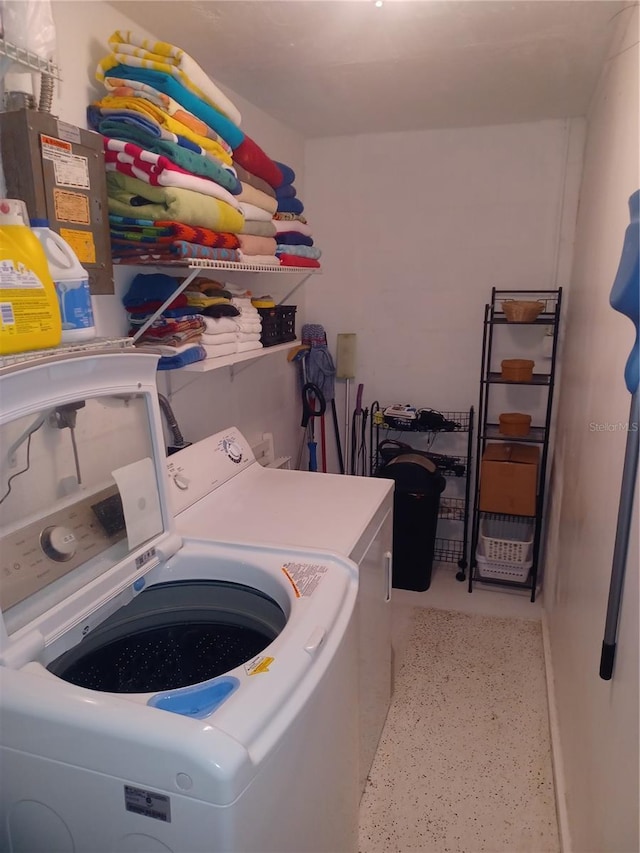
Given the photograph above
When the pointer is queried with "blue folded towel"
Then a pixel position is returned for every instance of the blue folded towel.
(149, 287)
(290, 205)
(189, 356)
(288, 175)
(285, 191)
(229, 131)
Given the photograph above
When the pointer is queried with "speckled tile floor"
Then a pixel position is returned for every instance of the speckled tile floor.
(464, 762)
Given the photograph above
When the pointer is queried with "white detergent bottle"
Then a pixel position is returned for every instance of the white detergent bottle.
(71, 282)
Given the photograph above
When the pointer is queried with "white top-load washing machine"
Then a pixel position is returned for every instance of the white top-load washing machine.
(157, 693)
(219, 490)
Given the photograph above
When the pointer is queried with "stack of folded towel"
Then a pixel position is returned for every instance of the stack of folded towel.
(294, 243)
(183, 180)
(179, 333)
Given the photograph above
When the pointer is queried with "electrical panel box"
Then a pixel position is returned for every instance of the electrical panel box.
(58, 170)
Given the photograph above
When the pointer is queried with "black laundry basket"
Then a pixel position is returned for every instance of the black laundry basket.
(416, 502)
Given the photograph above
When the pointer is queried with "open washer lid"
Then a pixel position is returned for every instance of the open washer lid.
(83, 505)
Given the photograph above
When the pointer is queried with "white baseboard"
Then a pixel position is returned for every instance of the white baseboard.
(557, 761)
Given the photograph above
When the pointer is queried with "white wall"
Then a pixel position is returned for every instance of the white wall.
(417, 227)
(262, 395)
(598, 720)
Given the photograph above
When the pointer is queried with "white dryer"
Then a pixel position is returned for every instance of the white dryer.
(219, 490)
(157, 694)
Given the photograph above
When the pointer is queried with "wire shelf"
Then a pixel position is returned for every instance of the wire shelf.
(28, 59)
(206, 264)
(448, 550)
(460, 419)
(452, 509)
(65, 350)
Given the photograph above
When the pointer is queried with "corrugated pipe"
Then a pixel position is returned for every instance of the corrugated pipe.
(172, 423)
(47, 83)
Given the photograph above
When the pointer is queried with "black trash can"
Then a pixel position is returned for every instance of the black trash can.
(416, 502)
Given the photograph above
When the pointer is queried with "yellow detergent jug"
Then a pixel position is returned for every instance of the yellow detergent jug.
(29, 311)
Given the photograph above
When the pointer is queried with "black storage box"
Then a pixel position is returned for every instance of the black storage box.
(416, 503)
(278, 325)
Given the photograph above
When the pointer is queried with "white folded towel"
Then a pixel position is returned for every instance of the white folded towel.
(292, 225)
(220, 324)
(245, 346)
(249, 326)
(218, 350)
(251, 211)
(265, 260)
(248, 336)
(246, 309)
(219, 338)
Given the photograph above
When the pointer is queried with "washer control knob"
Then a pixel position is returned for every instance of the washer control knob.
(181, 482)
(58, 543)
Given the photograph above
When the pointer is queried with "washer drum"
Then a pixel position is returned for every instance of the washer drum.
(173, 635)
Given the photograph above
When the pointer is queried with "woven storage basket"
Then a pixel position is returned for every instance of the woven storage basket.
(507, 540)
(517, 369)
(494, 570)
(514, 423)
(522, 310)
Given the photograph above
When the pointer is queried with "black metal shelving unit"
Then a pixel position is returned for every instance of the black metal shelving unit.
(489, 432)
(451, 465)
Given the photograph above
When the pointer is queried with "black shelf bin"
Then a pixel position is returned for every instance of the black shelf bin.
(416, 504)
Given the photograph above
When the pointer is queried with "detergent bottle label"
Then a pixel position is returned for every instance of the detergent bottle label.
(23, 310)
(16, 276)
(74, 298)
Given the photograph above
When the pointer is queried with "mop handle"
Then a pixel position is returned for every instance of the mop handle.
(621, 547)
(625, 298)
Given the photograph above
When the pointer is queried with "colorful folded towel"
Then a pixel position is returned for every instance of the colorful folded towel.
(167, 231)
(253, 180)
(288, 175)
(250, 195)
(132, 197)
(290, 205)
(258, 228)
(137, 89)
(285, 191)
(254, 160)
(110, 104)
(162, 82)
(298, 251)
(193, 354)
(297, 261)
(158, 170)
(251, 245)
(192, 250)
(152, 286)
(293, 238)
(132, 49)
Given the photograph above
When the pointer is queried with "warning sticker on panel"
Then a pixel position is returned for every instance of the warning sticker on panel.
(82, 244)
(147, 803)
(304, 577)
(71, 207)
(52, 147)
(258, 665)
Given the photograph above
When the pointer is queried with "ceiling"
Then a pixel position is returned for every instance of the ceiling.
(334, 67)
